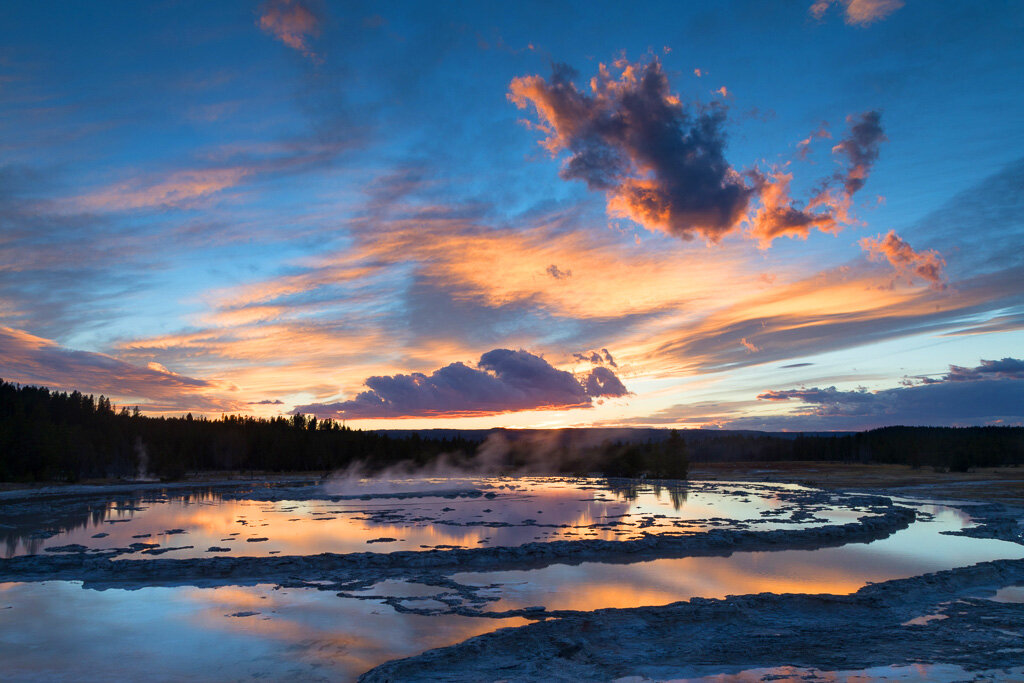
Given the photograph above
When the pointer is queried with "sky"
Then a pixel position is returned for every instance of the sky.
(801, 215)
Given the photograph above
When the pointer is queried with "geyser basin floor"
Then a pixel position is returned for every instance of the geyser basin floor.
(336, 615)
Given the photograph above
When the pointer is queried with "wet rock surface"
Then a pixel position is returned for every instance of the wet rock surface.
(858, 631)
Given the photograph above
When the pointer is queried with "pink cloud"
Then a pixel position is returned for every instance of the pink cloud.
(859, 12)
(292, 22)
(28, 359)
(927, 265)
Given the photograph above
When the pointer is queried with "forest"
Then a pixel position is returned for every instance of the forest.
(69, 436)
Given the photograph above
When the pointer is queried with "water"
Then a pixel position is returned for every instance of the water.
(241, 632)
(919, 549)
(57, 631)
(499, 512)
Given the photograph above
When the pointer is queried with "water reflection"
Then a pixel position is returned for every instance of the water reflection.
(919, 549)
(196, 523)
(274, 634)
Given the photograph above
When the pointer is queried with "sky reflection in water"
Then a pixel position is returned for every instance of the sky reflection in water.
(241, 631)
(539, 509)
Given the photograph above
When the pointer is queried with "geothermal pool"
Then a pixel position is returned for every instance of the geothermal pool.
(122, 583)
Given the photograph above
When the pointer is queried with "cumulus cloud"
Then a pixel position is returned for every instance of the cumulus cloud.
(927, 265)
(293, 22)
(859, 12)
(662, 164)
(502, 381)
(658, 163)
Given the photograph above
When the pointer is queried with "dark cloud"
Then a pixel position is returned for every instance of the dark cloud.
(796, 365)
(860, 148)
(1007, 368)
(830, 401)
(990, 393)
(662, 164)
(503, 381)
(555, 272)
(267, 402)
(603, 382)
(659, 163)
(596, 357)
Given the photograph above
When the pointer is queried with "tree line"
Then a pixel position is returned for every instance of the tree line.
(67, 436)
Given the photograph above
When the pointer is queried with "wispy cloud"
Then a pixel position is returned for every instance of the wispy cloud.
(859, 12)
(28, 359)
(293, 22)
(179, 189)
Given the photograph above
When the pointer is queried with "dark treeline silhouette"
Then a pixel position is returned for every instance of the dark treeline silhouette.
(950, 448)
(52, 436)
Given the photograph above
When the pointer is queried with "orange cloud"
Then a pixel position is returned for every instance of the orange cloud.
(658, 163)
(29, 359)
(859, 12)
(662, 166)
(179, 189)
(292, 22)
(927, 265)
(778, 216)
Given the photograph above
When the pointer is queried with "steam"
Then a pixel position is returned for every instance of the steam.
(142, 472)
(540, 453)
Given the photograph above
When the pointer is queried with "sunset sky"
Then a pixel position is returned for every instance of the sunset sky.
(801, 215)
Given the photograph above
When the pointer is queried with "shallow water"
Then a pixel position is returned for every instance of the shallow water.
(493, 512)
(919, 549)
(57, 631)
(241, 632)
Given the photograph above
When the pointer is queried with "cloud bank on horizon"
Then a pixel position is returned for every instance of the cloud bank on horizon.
(299, 206)
(503, 381)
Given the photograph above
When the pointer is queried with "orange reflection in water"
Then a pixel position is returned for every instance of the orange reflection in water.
(919, 549)
(347, 635)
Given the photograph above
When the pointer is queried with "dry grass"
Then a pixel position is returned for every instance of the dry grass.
(1002, 484)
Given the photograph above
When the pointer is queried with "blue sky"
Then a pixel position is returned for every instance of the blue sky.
(343, 208)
